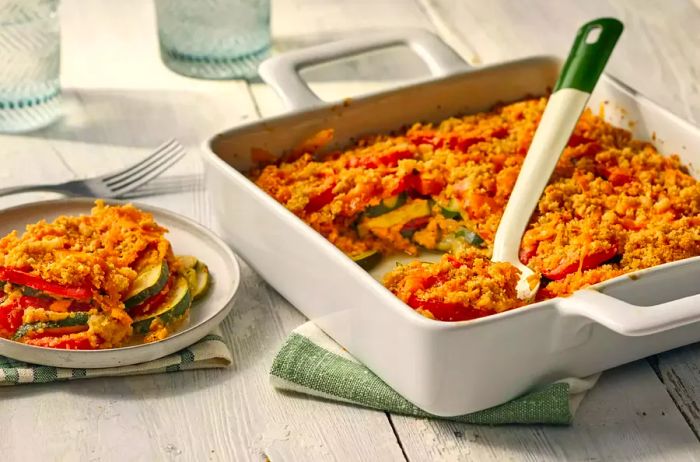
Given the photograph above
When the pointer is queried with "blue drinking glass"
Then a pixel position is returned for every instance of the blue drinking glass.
(30, 90)
(214, 39)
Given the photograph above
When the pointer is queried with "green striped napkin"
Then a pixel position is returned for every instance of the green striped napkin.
(310, 362)
(210, 352)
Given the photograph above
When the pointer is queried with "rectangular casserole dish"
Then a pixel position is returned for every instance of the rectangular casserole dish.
(445, 368)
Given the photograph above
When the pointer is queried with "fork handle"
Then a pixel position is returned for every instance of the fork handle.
(28, 188)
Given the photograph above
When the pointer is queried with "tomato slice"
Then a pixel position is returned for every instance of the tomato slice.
(576, 140)
(11, 314)
(66, 342)
(319, 201)
(414, 183)
(153, 302)
(589, 261)
(10, 318)
(390, 159)
(430, 139)
(463, 144)
(25, 301)
(618, 176)
(410, 228)
(500, 133)
(445, 311)
(16, 276)
(527, 252)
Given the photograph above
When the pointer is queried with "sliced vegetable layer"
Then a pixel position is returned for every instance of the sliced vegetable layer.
(149, 282)
(174, 306)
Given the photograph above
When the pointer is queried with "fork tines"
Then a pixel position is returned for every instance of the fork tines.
(153, 165)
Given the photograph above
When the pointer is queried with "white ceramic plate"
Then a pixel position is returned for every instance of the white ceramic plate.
(186, 237)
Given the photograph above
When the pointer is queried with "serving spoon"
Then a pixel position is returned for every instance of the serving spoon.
(589, 53)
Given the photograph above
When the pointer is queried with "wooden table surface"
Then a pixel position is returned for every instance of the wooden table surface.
(121, 101)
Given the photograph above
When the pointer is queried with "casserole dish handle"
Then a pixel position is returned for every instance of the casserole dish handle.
(628, 319)
(282, 72)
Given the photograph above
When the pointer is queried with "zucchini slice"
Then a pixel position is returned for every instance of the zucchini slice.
(461, 237)
(176, 303)
(367, 260)
(451, 210)
(197, 275)
(416, 209)
(76, 322)
(386, 205)
(187, 261)
(202, 280)
(470, 237)
(149, 282)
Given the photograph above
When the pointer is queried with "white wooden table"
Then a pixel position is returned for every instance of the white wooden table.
(121, 101)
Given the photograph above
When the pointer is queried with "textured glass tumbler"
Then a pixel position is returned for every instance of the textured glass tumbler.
(214, 39)
(29, 64)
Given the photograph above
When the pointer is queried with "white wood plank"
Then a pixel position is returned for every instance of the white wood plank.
(680, 371)
(627, 416)
(658, 54)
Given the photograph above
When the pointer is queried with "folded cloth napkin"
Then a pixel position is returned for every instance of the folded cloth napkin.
(210, 352)
(310, 362)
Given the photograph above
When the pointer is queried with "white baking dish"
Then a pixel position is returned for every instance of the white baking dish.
(445, 368)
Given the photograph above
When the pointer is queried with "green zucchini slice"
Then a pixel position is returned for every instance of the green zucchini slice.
(149, 282)
(187, 261)
(196, 273)
(461, 237)
(416, 209)
(202, 280)
(367, 260)
(176, 304)
(470, 237)
(451, 210)
(386, 205)
(57, 328)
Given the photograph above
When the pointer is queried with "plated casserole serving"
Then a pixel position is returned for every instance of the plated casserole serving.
(97, 281)
(614, 205)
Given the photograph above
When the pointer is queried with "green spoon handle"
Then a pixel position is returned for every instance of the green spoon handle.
(588, 57)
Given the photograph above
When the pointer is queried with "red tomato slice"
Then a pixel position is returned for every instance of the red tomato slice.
(413, 183)
(25, 301)
(153, 302)
(526, 253)
(408, 229)
(445, 311)
(16, 276)
(427, 139)
(66, 342)
(319, 201)
(390, 159)
(577, 140)
(500, 133)
(589, 261)
(462, 144)
(618, 176)
(12, 313)
(10, 318)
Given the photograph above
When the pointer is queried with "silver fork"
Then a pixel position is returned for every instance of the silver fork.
(118, 183)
